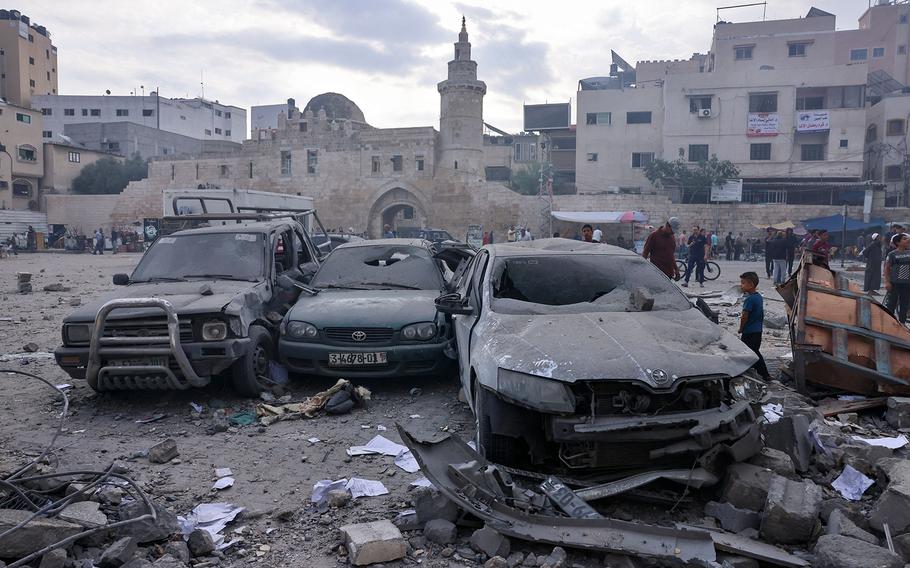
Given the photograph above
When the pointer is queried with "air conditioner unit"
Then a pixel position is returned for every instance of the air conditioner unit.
(704, 113)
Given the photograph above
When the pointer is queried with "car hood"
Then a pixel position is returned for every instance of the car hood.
(188, 298)
(607, 345)
(365, 308)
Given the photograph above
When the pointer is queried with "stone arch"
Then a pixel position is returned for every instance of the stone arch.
(392, 202)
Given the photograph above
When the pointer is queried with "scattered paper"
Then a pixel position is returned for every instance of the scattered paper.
(212, 518)
(773, 412)
(64, 386)
(406, 461)
(422, 482)
(365, 488)
(851, 397)
(223, 483)
(323, 486)
(414, 416)
(381, 428)
(26, 356)
(378, 445)
(886, 442)
(365, 426)
(851, 484)
(223, 472)
(153, 418)
(313, 440)
(196, 407)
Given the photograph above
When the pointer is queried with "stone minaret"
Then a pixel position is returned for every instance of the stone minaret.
(461, 112)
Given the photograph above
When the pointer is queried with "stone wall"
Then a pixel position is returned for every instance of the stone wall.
(82, 212)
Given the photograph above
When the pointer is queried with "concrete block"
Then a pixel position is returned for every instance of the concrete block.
(32, 537)
(732, 518)
(440, 531)
(791, 512)
(369, 543)
(898, 412)
(893, 507)
(147, 530)
(836, 551)
(431, 504)
(863, 457)
(84, 513)
(902, 546)
(775, 460)
(746, 486)
(840, 523)
(490, 542)
(163, 451)
(119, 553)
(790, 435)
(54, 559)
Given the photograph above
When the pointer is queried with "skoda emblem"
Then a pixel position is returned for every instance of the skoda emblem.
(359, 335)
(660, 377)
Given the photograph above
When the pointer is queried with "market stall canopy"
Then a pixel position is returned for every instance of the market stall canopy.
(782, 226)
(601, 217)
(834, 223)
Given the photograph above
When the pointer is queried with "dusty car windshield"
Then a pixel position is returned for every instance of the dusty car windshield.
(378, 267)
(579, 283)
(215, 255)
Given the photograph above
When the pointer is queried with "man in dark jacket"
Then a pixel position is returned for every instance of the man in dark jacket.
(776, 250)
(769, 267)
(873, 255)
(792, 245)
(728, 245)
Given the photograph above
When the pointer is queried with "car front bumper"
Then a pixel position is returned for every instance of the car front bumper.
(403, 360)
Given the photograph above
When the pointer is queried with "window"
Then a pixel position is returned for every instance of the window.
(48, 73)
(592, 156)
(846, 97)
(311, 158)
(31, 82)
(698, 152)
(217, 131)
(812, 152)
(95, 112)
(75, 157)
(47, 111)
(456, 164)
(251, 170)
(902, 49)
(761, 151)
(893, 173)
(418, 162)
(813, 102)
(123, 112)
(844, 143)
(208, 132)
(69, 112)
(225, 170)
(47, 54)
(24, 118)
(859, 54)
(31, 38)
(763, 102)
(699, 103)
(903, 18)
(22, 188)
(303, 126)
(797, 49)
(85, 112)
(285, 162)
(642, 159)
(227, 114)
(148, 112)
(642, 117)
(517, 152)
(227, 133)
(173, 172)
(743, 52)
(396, 163)
(27, 153)
(878, 52)
(599, 118)
(218, 113)
(375, 167)
(31, 60)
(894, 127)
(47, 134)
(872, 133)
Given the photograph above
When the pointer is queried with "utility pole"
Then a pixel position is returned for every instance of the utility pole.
(545, 189)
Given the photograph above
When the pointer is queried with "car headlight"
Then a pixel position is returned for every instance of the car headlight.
(214, 330)
(301, 330)
(535, 392)
(748, 389)
(419, 331)
(77, 332)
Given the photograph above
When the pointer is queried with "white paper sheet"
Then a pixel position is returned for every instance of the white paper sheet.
(223, 472)
(851, 484)
(893, 443)
(365, 488)
(223, 483)
(422, 482)
(406, 461)
(378, 445)
(773, 412)
(323, 486)
(211, 517)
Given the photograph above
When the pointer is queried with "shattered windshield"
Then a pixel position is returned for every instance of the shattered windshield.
(581, 283)
(230, 256)
(379, 267)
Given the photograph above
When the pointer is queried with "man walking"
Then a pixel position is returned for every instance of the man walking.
(777, 251)
(698, 249)
(99, 242)
(660, 247)
(897, 274)
(769, 267)
(714, 242)
(728, 245)
(873, 255)
(739, 246)
(791, 243)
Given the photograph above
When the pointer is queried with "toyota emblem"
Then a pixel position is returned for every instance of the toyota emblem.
(660, 377)
(359, 335)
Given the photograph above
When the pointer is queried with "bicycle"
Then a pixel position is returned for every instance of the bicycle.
(711, 273)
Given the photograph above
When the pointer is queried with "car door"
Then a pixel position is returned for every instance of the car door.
(455, 260)
(470, 288)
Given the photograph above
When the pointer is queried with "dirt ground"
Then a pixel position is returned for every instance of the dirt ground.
(274, 467)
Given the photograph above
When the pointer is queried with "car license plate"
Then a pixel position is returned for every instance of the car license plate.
(139, 362)
(357, 359)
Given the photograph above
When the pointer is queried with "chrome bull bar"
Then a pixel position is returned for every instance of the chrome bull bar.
(110, 377)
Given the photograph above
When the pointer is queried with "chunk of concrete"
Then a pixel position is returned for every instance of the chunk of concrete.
(734, 561)
(34, 536)
(898, 412)
(138, 563)
(790, 435)
(440, 531)
(119, 553)
(163, 451)
(431, 504)
(746, 486)
(168, 561)
(837, 551)
(84, 513)
(490, 542)
(147, 530)
(840, 523)
(178, 549)
(732, 518)
(369, 543)
(54, 559)
(863, 456)
(775, 460)
(893, 506)
(556, 559)
(200, 542)
(791, 511)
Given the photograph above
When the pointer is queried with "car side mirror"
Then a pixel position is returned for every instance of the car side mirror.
(121, 279)
(453, 304)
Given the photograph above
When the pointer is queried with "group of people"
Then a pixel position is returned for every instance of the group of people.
(98, 241)
(894, 248)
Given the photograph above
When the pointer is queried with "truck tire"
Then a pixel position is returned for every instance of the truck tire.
(494, 447)
(246, 372)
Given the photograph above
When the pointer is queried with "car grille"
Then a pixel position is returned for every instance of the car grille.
(622, 398)
(373, 334)
(145, 328)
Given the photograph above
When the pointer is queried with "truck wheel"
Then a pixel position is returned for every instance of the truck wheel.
(255, 364)
(496, 448)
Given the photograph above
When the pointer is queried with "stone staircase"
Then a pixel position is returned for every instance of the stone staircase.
(138, 200)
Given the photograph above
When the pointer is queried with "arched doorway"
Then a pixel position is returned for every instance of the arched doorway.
(398, 208)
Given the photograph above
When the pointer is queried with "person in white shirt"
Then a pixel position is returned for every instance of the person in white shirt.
(598, 235)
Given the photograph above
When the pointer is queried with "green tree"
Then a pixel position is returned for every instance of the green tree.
(526, 181)
(684, 175)
(110, 175)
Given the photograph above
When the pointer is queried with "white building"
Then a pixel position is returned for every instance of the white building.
(197, 118)
(887, 157)
(265, 117)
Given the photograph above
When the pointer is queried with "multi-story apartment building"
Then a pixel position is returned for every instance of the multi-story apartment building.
(21, 157)
(784, 100)
(888, 145)
(28, 59)
(197, 118)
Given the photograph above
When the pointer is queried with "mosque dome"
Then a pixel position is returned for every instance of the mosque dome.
(336, 106)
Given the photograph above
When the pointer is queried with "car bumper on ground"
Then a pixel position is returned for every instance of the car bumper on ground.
(403, 360)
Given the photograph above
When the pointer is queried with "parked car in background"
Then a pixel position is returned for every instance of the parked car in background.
(326, 242)
(374, 313)
(432, 235)
(586, 360)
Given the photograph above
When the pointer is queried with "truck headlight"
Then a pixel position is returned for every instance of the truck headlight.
(214, 330)
(535, 392)
(301, 330)
(419, 331)
(77, 333)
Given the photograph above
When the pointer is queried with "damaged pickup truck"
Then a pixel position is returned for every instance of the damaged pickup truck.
(587, 361)
(200, 303)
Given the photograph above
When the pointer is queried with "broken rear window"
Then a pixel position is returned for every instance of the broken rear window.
(379, 267)
(226, 255)
(580, 283)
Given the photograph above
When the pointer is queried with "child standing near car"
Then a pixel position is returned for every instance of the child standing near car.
(751, 324)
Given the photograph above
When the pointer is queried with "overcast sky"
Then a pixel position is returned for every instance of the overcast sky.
(385, 55)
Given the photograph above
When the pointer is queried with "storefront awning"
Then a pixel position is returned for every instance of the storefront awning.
(600, 217)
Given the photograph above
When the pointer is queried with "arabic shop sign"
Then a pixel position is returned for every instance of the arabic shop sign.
(763, 124)
(730, 190)
(812, 121)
